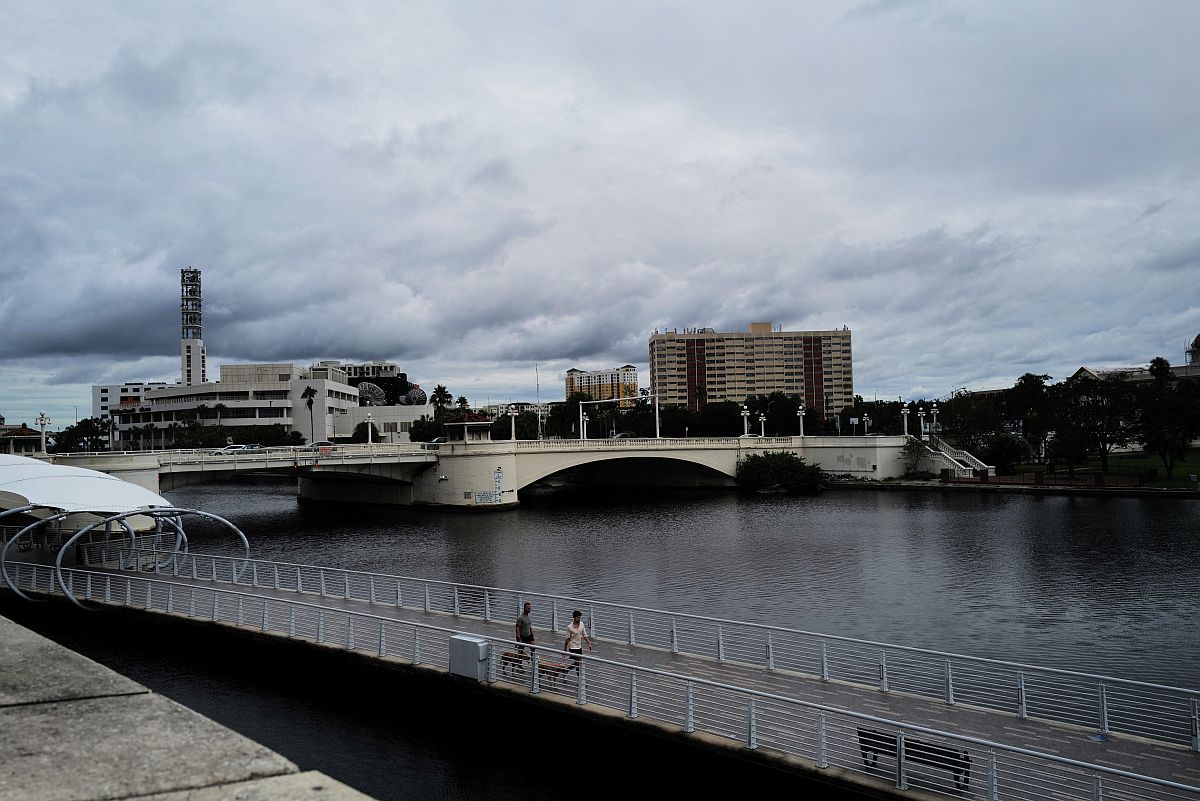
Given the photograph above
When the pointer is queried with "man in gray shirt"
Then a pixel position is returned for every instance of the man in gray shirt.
(524, 629)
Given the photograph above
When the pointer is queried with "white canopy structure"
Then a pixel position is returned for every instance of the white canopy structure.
(25, 482)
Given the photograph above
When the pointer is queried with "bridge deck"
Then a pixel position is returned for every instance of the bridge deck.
(1123, 752)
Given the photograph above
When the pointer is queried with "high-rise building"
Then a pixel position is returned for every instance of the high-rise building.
(619, 382)
(192, 367)
(699, 366)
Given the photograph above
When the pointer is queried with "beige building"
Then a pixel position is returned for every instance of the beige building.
(619, 382)
(699, 366)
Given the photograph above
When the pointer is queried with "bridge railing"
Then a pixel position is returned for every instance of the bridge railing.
(1103, 703)
(907, 756)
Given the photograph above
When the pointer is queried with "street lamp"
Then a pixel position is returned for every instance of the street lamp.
(512, 416)
(866, 424)
(762, 425)
(43, 421)
(904, 417)
(921, 424)
(800, 417)
(583, 418)
(370, 421)
(933, 427)
(745, 420)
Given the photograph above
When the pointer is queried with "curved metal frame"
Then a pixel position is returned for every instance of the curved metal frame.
(16, 537)
(164, 512)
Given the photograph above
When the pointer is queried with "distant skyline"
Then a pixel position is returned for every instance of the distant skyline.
(977, 190)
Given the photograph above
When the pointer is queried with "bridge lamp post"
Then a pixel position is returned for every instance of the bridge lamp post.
(904, 417)
(762, 425)
(800, 417)
(43, 421)
(921, 422)
(512, 416)
(933, 426)
(370, 421)
(583, 418)
(745, 420)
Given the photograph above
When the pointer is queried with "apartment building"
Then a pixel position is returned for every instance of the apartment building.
(699, 366)
(619, 382)
(110, 398)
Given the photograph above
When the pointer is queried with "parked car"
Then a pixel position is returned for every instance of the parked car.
(316, 446)
(227, 450)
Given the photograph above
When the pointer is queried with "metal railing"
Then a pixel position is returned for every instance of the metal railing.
(958, 454)
(1104, 703)
(907, 756)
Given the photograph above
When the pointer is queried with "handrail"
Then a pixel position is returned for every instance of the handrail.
(948, 761)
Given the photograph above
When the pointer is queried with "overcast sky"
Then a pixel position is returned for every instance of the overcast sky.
(976, 189)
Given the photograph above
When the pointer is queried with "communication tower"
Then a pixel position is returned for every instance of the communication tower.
(192, 367)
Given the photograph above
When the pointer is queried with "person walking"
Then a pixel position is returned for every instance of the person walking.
(524, 630)
(576, 636)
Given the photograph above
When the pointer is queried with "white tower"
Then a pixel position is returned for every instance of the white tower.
(191, 345)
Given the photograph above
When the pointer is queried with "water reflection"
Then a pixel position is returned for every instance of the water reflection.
(1108, 585)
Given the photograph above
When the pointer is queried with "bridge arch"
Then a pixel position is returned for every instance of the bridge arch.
(709, 467)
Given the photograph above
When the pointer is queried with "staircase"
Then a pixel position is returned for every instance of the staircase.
(957, 459)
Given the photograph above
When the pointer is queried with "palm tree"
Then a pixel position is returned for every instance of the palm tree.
(463, 403)
(441, 398)
(308, 394)
(201, 408)
(218, 408)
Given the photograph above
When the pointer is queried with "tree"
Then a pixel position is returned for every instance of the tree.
(219, 408)
(1092, 416)
(1029, 402)
(462, 403)
(440, 398)
(424, 429)
(778, 472)
(308, 394)
(360, 433)
(89, 434)
(1168, 414)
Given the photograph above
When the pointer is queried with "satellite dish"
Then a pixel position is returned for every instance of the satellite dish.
(415, 397)
(371, 395)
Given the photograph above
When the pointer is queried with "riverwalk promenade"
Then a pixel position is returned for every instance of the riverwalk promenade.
(965, 729)
(74, 730)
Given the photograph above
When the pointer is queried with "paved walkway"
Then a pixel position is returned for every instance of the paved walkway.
(1146, 757)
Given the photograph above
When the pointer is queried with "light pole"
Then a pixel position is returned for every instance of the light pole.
(800, 417)
(921, 422)
(512, 416)
(76, 414)
(370, 421)
(583, 418)
(43, 421)
(762, 425)
(866, 424)
(933, 426)
(745, 421)
(904, 417)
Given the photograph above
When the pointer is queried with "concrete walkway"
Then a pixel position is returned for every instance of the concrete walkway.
(73, 730)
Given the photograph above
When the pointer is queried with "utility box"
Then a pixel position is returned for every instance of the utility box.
(468, 657)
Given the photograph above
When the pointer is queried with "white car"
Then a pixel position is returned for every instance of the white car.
(227, 450)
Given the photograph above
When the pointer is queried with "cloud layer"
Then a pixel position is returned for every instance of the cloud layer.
(976, 189)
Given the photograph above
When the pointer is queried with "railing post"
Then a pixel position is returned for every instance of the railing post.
(770, 652)
(345, 585)
(674, 638)
(1022, 712)
(322, 581)
(216, 613)
(170, 598)
(533, 673)
(631, 633)
(399, 595)
(592, 621)
(320, 626)
(193, 567)
(382, 642)
(416, 646)
(633, 712)
(992, 794)
(108, 589)
(213, 563)
(427, 596)
(191, 601)
(266, 606)
(372, 578)
(883, 677)
(751, 726)
(277, 578)
(456, 600)
(492, 660)
(87, 587)
(349, 631)
(254, 574)
(581, 691)
(1097, 787)
(949, 683)
(1103, 709)
(554, 617)
(1196, 725)
(822, 746)
(487, 605)
(901, 767)
(689, 711)
(241, 615)
(824, 661)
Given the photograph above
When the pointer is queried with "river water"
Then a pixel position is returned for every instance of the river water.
(1106, 585)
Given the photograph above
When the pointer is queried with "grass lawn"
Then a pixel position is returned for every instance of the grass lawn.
(1187, 464)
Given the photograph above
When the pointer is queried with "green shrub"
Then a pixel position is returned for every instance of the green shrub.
(778, 472)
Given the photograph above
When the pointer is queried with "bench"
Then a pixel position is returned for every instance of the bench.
(872, 743)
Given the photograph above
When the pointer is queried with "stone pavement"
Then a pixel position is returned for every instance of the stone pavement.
(73, 730)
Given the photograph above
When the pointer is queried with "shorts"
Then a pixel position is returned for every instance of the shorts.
(528, 641)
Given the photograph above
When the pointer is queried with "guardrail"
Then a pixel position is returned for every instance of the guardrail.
(910, 756)
(1105, 703)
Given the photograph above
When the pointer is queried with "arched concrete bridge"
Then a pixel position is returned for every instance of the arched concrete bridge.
(490, 474)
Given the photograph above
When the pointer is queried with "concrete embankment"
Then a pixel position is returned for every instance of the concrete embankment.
(1018, 489)
(74, 730)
